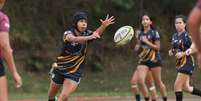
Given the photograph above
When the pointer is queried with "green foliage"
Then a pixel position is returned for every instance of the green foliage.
(124, 4)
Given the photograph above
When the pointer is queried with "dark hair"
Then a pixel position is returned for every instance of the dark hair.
(184, 18)
(79, 16)
(152, 25)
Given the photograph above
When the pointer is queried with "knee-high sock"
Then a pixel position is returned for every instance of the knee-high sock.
(196, 92)
(179, 96)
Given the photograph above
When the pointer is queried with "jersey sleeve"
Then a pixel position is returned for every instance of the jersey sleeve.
(156, 36)
(187, 41)
(4, 24)
(65, 34)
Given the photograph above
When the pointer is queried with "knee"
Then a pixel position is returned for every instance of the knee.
(160, 83)
(141, 81)
(133, 82)
(51, 96)
(63, 97)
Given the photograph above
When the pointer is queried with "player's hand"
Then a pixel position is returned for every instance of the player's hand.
(108, 21)
(170, 52)
(144, 39)
(180, 55)
(95, 35)
(137, 48)
(17, 79)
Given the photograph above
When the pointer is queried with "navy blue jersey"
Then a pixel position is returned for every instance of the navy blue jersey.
(72, 54)
(147, 53)
(180, 43)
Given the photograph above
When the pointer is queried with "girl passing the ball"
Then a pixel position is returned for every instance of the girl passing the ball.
(183, 49)
(149, 58)
(67, 69)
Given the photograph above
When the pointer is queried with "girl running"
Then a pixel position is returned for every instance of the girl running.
(183, 50)
(67, 70)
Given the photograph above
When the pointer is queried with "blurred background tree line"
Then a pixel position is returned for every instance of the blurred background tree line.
(37, 27)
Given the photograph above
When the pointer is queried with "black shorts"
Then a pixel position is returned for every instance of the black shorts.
(2, 69)
(151, 64)
(59, 76)
(186, 69)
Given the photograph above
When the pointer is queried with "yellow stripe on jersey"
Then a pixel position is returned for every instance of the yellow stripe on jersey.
(152, 55)
(76, 65)
(68, 60)
(144, 53)
(147, 54)
(63, 57)
(181, 62)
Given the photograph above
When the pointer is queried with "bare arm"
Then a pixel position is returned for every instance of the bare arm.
(155, 45)
(80, 39)
(194, 22)
(8, 56)
(7, 51)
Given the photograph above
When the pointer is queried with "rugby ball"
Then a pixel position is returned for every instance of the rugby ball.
(123, 35)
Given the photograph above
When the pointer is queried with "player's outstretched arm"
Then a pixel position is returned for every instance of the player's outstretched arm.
(105, 23)
(8, 56)
(81, 39)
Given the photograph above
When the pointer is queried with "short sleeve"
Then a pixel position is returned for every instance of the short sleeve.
(65, 34)
(4, 23)
(187, 41)
(156, 36)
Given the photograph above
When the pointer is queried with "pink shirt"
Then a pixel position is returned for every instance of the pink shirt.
(4, 24)
(199, 4)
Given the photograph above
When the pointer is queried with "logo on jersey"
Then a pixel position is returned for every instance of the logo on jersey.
(7, 25)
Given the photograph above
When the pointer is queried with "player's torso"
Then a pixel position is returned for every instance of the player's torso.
(72, 55)
(148, 53)
(181, 43)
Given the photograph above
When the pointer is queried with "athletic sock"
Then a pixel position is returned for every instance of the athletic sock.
(165, 98)
(196, 92)
(146, 98)
(179, 96)
(137, 97)
(51, 100)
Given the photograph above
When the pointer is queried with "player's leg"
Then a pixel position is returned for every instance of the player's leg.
(3, 89)
(134, 86)
(53, 89)
(69, 86)
(156, 72)
(151, 86)
(178, 86)
(142, 70)
(55, 84)
(191, 89)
